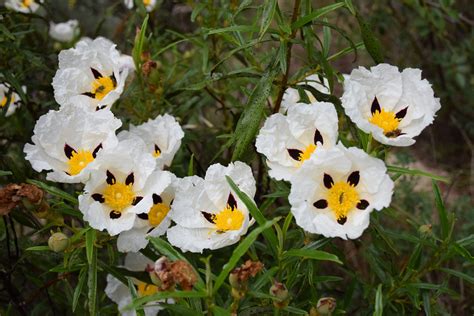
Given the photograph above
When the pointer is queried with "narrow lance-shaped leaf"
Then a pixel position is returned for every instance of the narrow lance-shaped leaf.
(267, 16)
(443, 216)
(92, 283)
(78, 290)
(250, 119)
(378, 301)
(372, 44)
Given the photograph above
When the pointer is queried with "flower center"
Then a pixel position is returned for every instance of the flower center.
(5, 99)
(342, 197)
(78, 161)
(145, 289)
(102, 86)
(229, 219)
(118, 195)
(385, 120)
(26, 3)
(157, 213)
(307, 152)
(146, 2)
(156, 152)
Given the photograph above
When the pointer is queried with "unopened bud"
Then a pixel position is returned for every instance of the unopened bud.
(280, 292)
(58, 242)
(326, 305)
(426, 229)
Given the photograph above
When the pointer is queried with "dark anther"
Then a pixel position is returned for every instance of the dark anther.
(362, 205)
(89, 94)
(375, 106)
(115, 215)
(342, 220)
(328, 181)
(231, 202)
(354, 178)
(143, 216)
(209, 217)
(110, 178)
(156, 199)
(401, 114)
(96, 73)
(68, 151)
(295, 153)
(321, 204)
(318, 137)
(137, 200)
(96, 150)
(130, 179)
(98, 197)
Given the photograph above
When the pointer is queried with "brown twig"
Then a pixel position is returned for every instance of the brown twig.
(284, 81)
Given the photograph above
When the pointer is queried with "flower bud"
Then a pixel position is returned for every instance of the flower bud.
(426, 229)
(58, 242)
(280, 292)
(326, 305)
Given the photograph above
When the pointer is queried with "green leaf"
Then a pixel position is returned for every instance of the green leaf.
(378, 301)
(371, 42)
(268, 11)
(90, 239)
(38, 248)
(219, 311)
(78, 290)
(427, 303)
(312, 254)
(5, 173)
(416, 172)
(459, 274)
(316, 14)
(92, 283)
(250, 119)
(133, 291)
(239, 251)
(233, 28)
(191, 166)
(256, 213)
(54, 191)
(139, 44)
(443, 215)
(295, 311)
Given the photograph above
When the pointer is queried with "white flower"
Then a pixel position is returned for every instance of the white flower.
(90, 73)
(149, 4)
(23, 6)
(124, 61)
(208, 214)
(154, 223)
(292, 96)
(64, 32)
(120, 293)
(162, 137)
(9, 99)
(67, 142)
(121, 187)
(394, 107)
(335, 191)
(289, 140)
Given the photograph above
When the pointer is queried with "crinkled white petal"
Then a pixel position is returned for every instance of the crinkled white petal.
(163, 131)
(195, 195)
(127, 157)
(395, 91)
(149, 7)
(136, 238)
(296, 130)
(307, 187)
(291, 95)
(64, 32)
(74, 76)
(79, 128)
(17, 5)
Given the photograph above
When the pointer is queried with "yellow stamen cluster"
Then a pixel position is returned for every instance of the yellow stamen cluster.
(342, 197)
(157, 153)
(78, 161)
(5, 99)
(146, 2)
(157, 213)
(307, 152)
(229, 219)
(385, 120)
(118, 196)
(26, 3)
(102, 86)
(145, 289)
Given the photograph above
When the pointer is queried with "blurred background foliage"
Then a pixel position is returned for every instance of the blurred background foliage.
(201, 62)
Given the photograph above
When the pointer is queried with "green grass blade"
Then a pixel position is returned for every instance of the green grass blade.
(312, 254)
